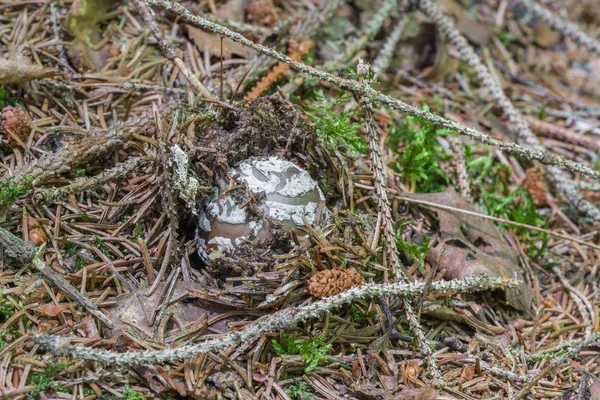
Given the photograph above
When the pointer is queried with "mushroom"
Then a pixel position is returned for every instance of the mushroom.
(290, 196)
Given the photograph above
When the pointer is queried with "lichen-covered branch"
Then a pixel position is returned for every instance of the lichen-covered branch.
(78, 154)
(56, 195)
(568, 29)
(383, 203)
(371, 30)
(277, 321)
(22, 253)
(367, 92)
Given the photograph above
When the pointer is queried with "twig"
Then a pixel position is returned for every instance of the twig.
(279, 320)
(373, 27)
(501, 220)
(166, 48)
(382, 61)
(58, 195)
(458, 161)
(76, 155)
(552, 352)
(60, 282)
(167, 197)
(563, 184)
(568, 29)
(367, 92)
(583, 304)
(24, 253)
(383, 203)
(572, 351)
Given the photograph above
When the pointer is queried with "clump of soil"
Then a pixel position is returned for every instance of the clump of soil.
(267, 126)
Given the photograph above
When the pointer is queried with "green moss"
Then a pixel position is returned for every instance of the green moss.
(45, 380)
(99, 243)
(335, 128)
(312, 350)
(130, 394)
(300, 391)
(419, 154)
(9, 191)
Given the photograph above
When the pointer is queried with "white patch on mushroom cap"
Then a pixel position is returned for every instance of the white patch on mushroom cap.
(255, 226)
(283, 212)
(227, 210)
(222, 243)
(298, 185)
(268, 167)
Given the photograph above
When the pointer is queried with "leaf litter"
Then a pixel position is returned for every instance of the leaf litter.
(128, 242)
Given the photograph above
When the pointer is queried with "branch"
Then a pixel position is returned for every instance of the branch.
(60, 194)
(273, 322)
(568, 29)
(23, 253)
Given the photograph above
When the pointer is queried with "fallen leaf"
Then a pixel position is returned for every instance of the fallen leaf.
(477, 33)
(233, 10)
(471, 246)
(51, 310)
(544, 35)
(595, 390)
(133, 310)
(467, 373)
(12, 71)
(423, 393)
(410, 371)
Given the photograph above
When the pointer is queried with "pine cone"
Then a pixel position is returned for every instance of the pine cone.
(333, 281)
(16, 122)
(536, 187)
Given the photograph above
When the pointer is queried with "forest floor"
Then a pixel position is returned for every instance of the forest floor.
(450, 249)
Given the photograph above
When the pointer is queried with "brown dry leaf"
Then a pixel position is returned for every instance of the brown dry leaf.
(51, 310)
(233, 10)
(480, 250)
(536, 186)
(423, 393)
(595, 390)
(476, 32)
(12, 71)
(135, 310)
(410, 371)
(467, 373)
(544, 35)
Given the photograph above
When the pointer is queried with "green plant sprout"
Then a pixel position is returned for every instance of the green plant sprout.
(333, 128)
(419, 154)
(416, 252)
(312, 350)
(300, 391)
(45, 380)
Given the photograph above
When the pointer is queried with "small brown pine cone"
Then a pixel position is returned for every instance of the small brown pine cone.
(333, 281)
(536, 187)
(15, 122)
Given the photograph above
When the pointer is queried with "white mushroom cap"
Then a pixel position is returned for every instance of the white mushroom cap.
(291, 195)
